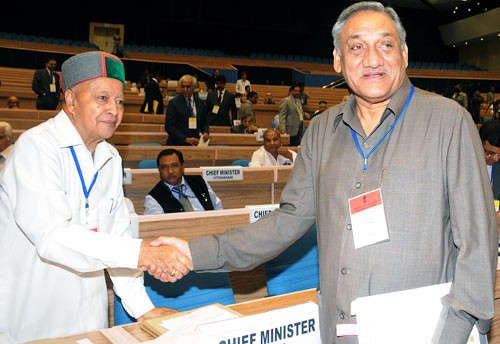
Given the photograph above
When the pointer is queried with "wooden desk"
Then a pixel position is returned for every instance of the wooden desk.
(105, 336)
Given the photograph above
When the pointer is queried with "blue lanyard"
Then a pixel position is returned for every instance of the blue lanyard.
(180, 193)
(354, 136)
(86, 192)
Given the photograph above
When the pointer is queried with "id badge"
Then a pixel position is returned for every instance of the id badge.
(192, 122)
(52, 88)
(215, 109)
(368, 221)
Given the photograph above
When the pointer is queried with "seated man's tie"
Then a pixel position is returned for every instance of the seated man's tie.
(183, 198)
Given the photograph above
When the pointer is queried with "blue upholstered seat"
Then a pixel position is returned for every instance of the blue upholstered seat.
(147, 163)
(241, 162)
(144, 144)
(296, 268)
(192, 291)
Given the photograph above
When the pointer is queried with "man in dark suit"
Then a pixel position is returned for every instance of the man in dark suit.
(220, 103)
(176, 192)
(211, 80)
(490, 137)
(47, 86)
(153, 94)
(186, 116)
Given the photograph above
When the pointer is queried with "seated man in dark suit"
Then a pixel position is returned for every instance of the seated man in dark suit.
(177, 192)
(246, 126)
(186, 116)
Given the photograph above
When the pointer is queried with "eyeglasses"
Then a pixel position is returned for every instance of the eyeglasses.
(491, 155)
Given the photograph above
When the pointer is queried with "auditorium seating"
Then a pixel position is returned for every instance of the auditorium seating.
(260, 185)
(241, 162)
(296, 268)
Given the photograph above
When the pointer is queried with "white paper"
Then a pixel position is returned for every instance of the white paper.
(187, 323)
(202, 142)
(408, 316)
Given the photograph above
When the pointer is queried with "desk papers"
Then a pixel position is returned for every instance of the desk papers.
(187, 321)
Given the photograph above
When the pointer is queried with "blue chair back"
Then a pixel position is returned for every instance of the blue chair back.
(192, 291)
(296, 268)
(240, 162)
(147, 163)
(145, 144)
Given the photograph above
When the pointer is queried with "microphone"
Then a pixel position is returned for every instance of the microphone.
(334, 83)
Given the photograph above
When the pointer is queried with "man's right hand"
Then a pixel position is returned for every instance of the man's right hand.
(169, 261)
(193, 141)
(178, 243)
(286, 153)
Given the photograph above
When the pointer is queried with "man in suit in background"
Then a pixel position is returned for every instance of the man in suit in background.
(490, 137)
(47, 86)
(292, 115)
(177, 192)
(220, 103)
(186, 118)
(322, 106)
(153, 93)
(211, 80)
(247, 107)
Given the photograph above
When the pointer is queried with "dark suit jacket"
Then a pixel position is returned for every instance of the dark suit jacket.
(222, 118)
(152, 93)
(46, 100)
(496, 181)
(177, 121)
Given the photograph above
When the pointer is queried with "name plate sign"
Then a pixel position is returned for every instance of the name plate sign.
(259, 211)
(291, 325)
(222, 173)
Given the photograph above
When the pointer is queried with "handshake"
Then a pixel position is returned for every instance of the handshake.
(166, 258)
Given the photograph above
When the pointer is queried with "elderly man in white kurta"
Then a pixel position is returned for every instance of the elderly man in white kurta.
(272, 153)
(63, 219)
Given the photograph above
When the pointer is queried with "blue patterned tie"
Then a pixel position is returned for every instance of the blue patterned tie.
(191, 112)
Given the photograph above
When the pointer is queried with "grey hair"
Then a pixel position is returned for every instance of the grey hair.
(8, 130)
(188, 77)
(366, 6)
